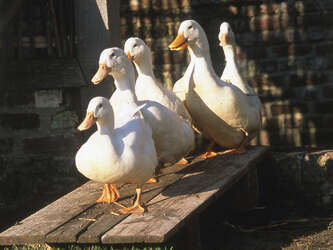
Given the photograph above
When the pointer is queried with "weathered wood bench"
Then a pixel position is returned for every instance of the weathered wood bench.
(179, 196)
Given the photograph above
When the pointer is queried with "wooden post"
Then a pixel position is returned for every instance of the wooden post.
(244, 195)
(97, 24)
(114, 22)
(110, 13)
(189, 237)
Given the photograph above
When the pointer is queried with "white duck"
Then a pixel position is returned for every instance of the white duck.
(124, 154)
(146, 86)
(231, 72)
(172, 135)
(220, 110)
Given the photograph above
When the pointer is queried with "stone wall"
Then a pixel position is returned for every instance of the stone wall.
(284, 50)
(40, 106)
(38, 139)
(298, 181)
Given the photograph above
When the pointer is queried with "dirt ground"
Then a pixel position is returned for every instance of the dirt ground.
(266, 227)
(292, 234)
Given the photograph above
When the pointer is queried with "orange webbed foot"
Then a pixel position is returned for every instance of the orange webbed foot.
(182, 161)
(152, 180)
(136, 209)
(110, 194)
(207, 155)
(240, 150)
(209, 151)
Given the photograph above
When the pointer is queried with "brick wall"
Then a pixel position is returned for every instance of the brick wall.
(156, 22)
(284, 49)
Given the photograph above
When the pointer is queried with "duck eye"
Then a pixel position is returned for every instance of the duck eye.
(112, 54)
(99, 105)
(135, 45)
(190, 27)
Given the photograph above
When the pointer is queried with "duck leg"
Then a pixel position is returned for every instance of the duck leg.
(110, 194)
(209, 153)
(241, 149)
(136, 208)
(157, 172)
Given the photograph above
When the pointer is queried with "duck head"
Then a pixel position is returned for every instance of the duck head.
(99, 111)
(189, 33)
(112, 61)
(192, 36)
(226, 36)
(136, 49)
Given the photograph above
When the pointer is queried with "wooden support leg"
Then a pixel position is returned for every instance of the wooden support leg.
(244, 195)
(189, 236)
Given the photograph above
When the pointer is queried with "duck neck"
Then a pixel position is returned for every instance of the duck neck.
(144, 65)
(125, 83)
(200, 56)
(200, 49)
(105, 125)
(230, 55)
(232, 69)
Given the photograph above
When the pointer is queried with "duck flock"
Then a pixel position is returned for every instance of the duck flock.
(143, 124)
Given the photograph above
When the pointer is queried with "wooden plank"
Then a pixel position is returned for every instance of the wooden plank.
(108, 220)
(76, 218)
(35, 227)
(70, 231)
(88, 226)
(169, 211)
(76, 213)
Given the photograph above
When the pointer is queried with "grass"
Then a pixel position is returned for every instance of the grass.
(84, 247)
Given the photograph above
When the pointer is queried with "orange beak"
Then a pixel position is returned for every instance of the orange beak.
(88, 121)
(179, 43)
(129, 56)
(101, 74)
